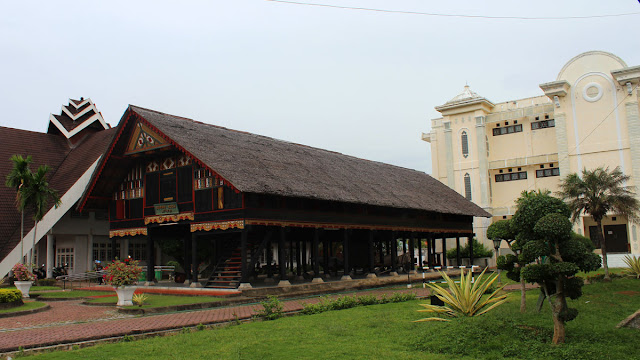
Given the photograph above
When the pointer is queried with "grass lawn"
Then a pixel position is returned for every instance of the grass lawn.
(26, 306)
(72, 294)
(154, 300)
(387, 332)
(39, 288)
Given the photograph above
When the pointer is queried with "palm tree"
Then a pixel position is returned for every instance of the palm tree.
(17, 178)
(37, 195)
(597, 193)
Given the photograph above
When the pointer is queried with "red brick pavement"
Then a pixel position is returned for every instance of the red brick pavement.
(34, 333)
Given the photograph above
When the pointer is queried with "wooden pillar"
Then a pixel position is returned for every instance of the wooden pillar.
(114, 245)
(394, 253)
(458, 260)
(420, 265)
(186, 247)
(299, 257)
(243, 251)
(151, 258)
(194, 260)
(269, 256)
(291, 254)
(304, 255)
(404, 245)
(371, 254)
(470, 242)
(444, 252)
(429, 255)
(316, 256)
(380, 252)
(433, 250)
(345, 255)
(325, 255)
(411, 251)
(281, 258)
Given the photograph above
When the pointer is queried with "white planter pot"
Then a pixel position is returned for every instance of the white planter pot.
(24, 287)
(125, 295)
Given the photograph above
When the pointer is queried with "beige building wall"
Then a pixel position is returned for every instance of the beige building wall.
(586, 118)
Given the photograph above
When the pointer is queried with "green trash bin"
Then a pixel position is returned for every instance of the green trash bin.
(143, 276)
(158, 275)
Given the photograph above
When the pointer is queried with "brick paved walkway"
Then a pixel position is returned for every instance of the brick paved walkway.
(70, 321)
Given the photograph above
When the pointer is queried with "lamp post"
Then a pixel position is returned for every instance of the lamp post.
(496, 246)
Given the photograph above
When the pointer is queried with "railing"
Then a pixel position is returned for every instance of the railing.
(87, 276)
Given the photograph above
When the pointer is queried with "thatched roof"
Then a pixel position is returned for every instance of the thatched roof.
(259, 164)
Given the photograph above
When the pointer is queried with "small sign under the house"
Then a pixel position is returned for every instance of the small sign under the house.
(166, 208)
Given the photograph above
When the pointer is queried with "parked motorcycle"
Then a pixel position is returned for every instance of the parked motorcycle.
(60, 271)
(41, 272)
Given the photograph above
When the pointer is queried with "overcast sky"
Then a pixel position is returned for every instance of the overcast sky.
(363, 83)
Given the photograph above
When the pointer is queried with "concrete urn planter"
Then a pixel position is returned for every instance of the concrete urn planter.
(24, 287)
(125, 295)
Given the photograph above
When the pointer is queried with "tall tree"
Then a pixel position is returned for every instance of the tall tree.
(18, 177)
(37, 195)
(598, 192)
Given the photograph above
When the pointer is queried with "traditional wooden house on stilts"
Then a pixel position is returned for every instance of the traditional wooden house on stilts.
(249, 204)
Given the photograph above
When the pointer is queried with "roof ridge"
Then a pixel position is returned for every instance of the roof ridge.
(274, 139)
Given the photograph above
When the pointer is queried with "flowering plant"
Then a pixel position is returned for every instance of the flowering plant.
(21, 273)
(120, 273)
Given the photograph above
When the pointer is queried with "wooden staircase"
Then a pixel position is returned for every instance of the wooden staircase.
(228, 272)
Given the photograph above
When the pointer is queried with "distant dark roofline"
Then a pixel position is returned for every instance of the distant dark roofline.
(259, 164)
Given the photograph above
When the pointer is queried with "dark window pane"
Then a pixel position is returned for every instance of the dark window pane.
(514, 176)
(523, 175)
(539, 173)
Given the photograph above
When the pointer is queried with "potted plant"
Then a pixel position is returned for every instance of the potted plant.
(23, 279)
(123, 275)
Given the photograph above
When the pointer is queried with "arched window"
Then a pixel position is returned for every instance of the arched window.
(467, 186)
(465, 144)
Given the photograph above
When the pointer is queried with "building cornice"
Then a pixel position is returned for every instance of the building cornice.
(558, 88)
(628, 74)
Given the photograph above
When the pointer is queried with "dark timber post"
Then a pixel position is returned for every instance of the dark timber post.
(411, 251)
(381, 253)
(458, 260)
(299, 257)
(269, 256)
(151, 261)
(186, 244)
(444, 252)
(470, 242)
(420, 264)
(429, 259)
(345, 256)
(372, 273)
(325, 255)
(394, 254)
(304, 255)
(433, 251)
(316, 256)
(281, 258)
(194, 260)
(113, 249)
(243, 250)
(291, 254)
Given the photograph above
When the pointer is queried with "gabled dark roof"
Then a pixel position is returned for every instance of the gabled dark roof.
(259, 164)
(67, 165)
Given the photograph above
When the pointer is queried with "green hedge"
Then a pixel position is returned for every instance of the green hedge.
(10, 295)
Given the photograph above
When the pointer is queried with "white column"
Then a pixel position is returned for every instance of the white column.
(50, 256)
(90, 259)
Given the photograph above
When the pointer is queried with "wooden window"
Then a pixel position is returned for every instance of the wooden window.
(168, 186)
(132, 186)
(202, 179)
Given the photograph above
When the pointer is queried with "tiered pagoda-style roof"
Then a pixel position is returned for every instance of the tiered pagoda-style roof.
(77, 117)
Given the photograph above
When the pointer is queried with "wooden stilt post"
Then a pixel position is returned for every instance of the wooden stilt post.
(420, 264)
(433, 251)
(291, 249)
(269, 257)
(282, 259)
(429, 252)
(325, 255)
(299, 258)
(186, 245)
(470, 242)
(316, 257)
(151, 261)
(114, 246)
(304, 255)
(444, 252)
(345, 256)
(412, 252)
(371, 248)
(458, 260)
(394, 254)
(194, 260)
(243, 250)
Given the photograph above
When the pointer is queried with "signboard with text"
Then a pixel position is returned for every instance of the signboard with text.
(169, 208)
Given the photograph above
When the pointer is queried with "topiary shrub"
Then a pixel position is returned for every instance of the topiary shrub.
(10, 295)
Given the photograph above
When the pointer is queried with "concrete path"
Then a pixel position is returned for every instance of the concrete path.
(71, 322)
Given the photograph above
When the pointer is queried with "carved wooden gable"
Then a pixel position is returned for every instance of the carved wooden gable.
(144, 139)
